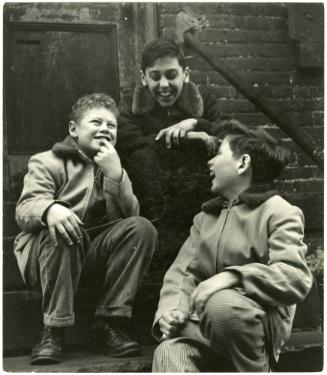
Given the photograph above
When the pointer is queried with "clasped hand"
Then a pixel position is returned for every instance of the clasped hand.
(65, 222)
(174, 135)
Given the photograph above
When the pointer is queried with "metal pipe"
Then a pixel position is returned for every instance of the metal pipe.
(301, 137)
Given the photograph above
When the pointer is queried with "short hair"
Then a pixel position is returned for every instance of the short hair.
(90, 101)
(159, 48)
(268, 159)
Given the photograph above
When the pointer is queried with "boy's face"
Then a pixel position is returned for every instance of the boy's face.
(224, 170)
(95, 124)
(165, 79)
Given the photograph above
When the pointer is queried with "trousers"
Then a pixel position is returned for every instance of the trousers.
(230, 336)
(113, 263)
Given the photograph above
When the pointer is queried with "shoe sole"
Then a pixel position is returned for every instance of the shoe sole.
(132, 352)
(45, 360)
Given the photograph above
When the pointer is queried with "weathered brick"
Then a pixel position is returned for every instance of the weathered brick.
(252, 9)
(246, 22)
(311, 185)
(247, 63)
(318, 118)
(250, 118)
(223, 91)
(251, 49)
(228, 36)
(291, 173)
(199, 77)
(239, 105)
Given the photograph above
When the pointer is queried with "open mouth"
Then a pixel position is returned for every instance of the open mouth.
(102, 138)
(212, 175)
(165, 94)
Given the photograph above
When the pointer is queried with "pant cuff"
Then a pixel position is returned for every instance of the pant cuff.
(54, 321)
(125, 312)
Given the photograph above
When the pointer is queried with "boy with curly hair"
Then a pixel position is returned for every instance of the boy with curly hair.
(81, 226)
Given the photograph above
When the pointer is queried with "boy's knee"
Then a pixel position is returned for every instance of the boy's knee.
(141, 227)
(228, 311)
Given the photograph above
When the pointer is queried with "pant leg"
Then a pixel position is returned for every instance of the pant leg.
(56, 271)
(116, 263)
(177, 355)
(234, 325)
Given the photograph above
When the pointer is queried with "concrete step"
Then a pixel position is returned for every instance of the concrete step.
(83, 361)
(309, 359)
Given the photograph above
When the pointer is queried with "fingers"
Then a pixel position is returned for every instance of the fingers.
(52, 233)
(160, 134)
(63, 233)
(69, 231)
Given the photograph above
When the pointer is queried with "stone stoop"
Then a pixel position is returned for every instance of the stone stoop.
(85, 362)
(308, 359)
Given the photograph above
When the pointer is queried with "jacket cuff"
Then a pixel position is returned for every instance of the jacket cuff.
(203, 125)
(115, 187)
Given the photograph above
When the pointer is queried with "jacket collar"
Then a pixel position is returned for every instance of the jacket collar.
(68, 148)
(254, 196)
(190, 101)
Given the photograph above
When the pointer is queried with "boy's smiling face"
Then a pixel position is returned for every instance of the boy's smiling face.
(94, 125)
(165, 79)
(224, 170)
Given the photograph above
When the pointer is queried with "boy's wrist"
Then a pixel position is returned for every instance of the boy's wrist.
(115, 176)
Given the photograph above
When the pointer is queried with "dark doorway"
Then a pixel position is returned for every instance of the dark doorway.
(48, 66)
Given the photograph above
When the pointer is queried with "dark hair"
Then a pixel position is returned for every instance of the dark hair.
(267, 158)
(160, 48)
(90, 101)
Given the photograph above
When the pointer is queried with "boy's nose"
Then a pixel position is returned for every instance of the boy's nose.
(163, 82)
(104, 127)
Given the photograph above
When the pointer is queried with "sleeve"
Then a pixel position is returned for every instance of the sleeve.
(40, 185)
(130, 135)
(286, 279)
(179, 283)
(120, 199)
(211, 114)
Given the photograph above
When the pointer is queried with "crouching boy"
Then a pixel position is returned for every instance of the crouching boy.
(80, 225)
(228, 300)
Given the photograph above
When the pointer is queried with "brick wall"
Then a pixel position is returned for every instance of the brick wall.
(253, 39)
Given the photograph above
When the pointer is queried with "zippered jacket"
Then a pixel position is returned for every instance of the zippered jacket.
(141, 117)
(65, 175)
(259, 237)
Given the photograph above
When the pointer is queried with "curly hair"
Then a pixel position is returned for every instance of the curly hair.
(268, 159)
(90, 101)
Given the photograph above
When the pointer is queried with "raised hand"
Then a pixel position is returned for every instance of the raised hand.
(108, 161)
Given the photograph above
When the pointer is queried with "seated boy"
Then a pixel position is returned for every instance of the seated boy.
(80, 225)
(159, 120)
(228, 300)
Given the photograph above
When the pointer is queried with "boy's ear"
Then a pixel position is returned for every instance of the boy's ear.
(244, 164)
(72, 128)
(143, 79)
(187, 75)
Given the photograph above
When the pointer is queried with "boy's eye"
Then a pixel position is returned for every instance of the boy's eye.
(171, 75)
(97, 122)
(155, 76)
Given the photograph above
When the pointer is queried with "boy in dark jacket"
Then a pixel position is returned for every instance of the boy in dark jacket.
(160, 119)
(230, 296)
(81, 226)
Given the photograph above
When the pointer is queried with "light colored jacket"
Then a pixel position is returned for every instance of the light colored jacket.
(67, 176)
(261, 239)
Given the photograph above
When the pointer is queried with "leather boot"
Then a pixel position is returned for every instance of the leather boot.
(49, 349)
